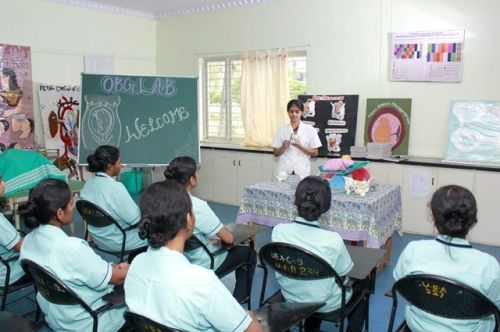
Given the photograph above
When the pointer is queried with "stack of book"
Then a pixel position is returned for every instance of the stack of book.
(358, 151)
(378, 150)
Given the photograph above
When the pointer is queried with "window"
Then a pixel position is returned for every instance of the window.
(221, 94)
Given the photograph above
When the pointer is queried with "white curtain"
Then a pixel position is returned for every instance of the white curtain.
(264, 95)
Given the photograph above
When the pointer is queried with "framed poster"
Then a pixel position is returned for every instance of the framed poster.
(388, 120)
(335, 118)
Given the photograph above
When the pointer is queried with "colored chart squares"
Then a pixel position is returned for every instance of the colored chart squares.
(408, 51)
(447, 52)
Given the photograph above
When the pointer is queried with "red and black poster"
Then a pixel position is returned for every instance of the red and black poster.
(334, 117)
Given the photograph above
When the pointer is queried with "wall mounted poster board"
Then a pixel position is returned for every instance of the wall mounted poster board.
(388, 120)
(427, 56)
(150, 119)
(334, 117)
(474, 132)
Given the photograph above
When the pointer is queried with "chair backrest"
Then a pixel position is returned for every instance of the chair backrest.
(144, 324)
(51, 288)
(94, 215)
(444, 297)
(296, 262)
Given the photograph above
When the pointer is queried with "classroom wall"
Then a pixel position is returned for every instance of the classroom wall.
(60, 35)
(347, 44)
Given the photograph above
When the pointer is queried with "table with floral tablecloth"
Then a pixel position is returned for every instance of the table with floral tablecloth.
(372, 218)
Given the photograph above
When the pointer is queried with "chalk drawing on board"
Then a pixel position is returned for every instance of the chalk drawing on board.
(101, 123)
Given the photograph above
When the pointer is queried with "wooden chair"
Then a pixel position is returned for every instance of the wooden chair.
(298, 263)
(97, 217)
(442, 297)
(55, 291)
(144, 324)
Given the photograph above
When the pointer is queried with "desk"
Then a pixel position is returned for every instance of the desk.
(367, 261)
(277, 317)
(372, 218)
(19, 197)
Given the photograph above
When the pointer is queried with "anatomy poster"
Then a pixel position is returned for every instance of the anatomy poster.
(59, 109)
(474, 132)
(427, 56)
(334, 117)
(388, 120)
(17, 127)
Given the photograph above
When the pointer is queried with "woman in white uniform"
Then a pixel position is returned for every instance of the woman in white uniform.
(295, 144)
(450, 255)
(184, 171)
(112, 196)
(163, 286)
(49, 207)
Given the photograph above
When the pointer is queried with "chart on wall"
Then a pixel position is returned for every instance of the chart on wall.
(335, 118)
(435, 56)
(17, 127)
(388, 120)
(474, 132)
(59, 110)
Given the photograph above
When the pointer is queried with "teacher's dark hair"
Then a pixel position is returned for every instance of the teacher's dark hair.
(313, 197)
(104, 156)
(181, 169)
(295, 102)
(164, 209)
(11, 74)
(454, 210)
(44, 200)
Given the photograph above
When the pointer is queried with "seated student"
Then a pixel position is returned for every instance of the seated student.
(450, 255)
(313, 198)
(184, 171)
(49, 207)
(112, 197)
(163, 286)
(10, 244)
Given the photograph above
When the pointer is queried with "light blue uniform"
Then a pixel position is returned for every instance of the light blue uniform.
(112, 197)
(329, 246)
(9, 237)
(76, 265)
(464, 264)
(207, 225)
(162, 285)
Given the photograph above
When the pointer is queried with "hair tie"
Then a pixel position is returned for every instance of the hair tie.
(310, 196)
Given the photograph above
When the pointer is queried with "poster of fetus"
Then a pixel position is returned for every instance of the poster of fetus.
(59, 110)
(334, 117)
(17, 127)
(388, 120)
(474, 132)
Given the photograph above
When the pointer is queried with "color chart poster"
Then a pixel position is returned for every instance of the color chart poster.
(17, 126)
(334, 117)
(434, 56)
(388, 120)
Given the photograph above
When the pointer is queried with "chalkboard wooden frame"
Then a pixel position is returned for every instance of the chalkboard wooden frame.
(151, 119)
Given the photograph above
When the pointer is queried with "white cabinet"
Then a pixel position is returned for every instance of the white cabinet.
(487, 228)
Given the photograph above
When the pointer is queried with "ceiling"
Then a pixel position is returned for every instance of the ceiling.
(158, 9)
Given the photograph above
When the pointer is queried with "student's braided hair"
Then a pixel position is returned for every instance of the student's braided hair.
(313, 197)
(164, 209)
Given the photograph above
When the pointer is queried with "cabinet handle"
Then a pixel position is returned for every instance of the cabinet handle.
(239, 163)
(234, 162)
(432, 181)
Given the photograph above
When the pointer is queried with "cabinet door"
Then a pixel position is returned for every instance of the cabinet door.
(250, 172)
(378, 172)
(205, 186)
(224, 177)
(395, 174)
(488, 202)
(461, 177)
(419, 184)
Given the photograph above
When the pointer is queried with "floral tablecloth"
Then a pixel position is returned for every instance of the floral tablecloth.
(372, 218)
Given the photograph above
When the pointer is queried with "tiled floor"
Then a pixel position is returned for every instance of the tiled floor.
(380, 306)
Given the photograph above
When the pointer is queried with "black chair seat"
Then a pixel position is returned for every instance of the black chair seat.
(144, 324)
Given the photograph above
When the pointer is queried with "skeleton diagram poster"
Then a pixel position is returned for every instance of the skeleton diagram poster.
(16, 98)
(334, 117)
(427, 56)
(59, 109)
(474, 132)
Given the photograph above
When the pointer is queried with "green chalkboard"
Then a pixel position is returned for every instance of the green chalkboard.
(150, 119)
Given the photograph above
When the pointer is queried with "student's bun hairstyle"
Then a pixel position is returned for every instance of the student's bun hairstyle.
(164, 208)
(295, 102)
(180, 169)
(103, 156)
(44, 200)
(454, 210)
(313, 197)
